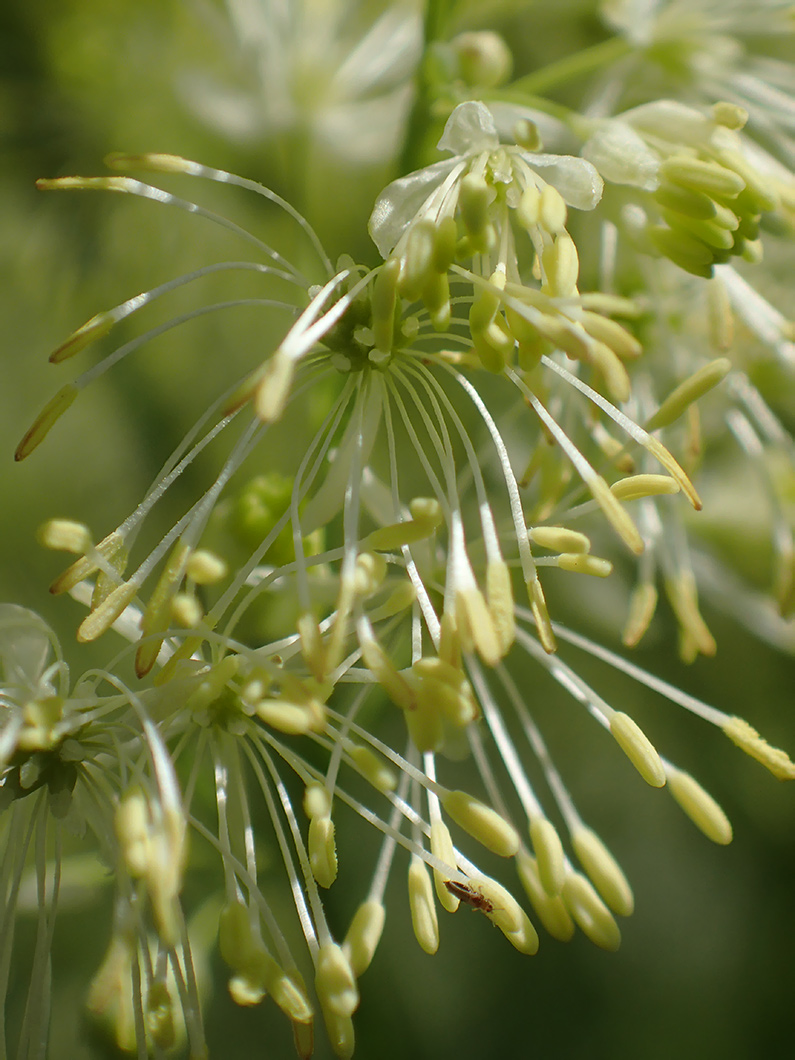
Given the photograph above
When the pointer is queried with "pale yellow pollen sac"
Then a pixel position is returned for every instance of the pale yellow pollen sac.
(538, 605)
(383, 299)
(442, 848)
(642, 605)
(103, 617)
(475, 623)
(293, 719)
(40, 717)
(369, 574)
(422, 905)
(617, 516)
(552, 210)
(425, 726)
(577, 563)
(590, 913)
(205, 567)
(373, 768)
(213, 682)
(442, 690)
(561, 265)
(132, 826)
(445, 237)
(603, 870)
(322, 850)
(720, 315)
(335, 982)
(551, 910)
(317, 801)
(550, 861)
(712, 178)
(363, 936)
(612, 334)
(312, 647)
(417, 260)
(111, 548)
(95, 328)
(638, 749)
(155, 618)
(688, 391)
(636, 486)
(615, 375)
(340, 1033)
(399, 690)
(683, 595)
(481, 822)
(427, 516)
(748, 739)
(186, 610)
(504, 911)
(499, 597)
(65, 535)
(699, 805)
(527, 212)
(46, 420)
(559, 539)
(474, 199)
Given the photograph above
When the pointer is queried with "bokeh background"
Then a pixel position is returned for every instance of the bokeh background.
(705, 969)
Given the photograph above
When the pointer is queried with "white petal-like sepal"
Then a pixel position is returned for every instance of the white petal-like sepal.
(401, 201)
(577, 180)
(469, 129)
(622, 157)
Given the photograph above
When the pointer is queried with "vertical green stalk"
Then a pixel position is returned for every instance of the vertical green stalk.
(438, 15)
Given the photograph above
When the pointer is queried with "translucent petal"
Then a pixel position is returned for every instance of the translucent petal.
(400, 201)
(469, 129)
(26, 642)
(577, 180)
(622, 157)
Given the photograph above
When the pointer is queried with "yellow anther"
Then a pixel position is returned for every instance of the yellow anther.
(638, 749)
(699, 806)
(604, 870)
(748, 739)
(482, 822)
(423, 908)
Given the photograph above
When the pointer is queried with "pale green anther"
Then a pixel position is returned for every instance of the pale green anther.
(474, 198)
(559, 539)
(101, 619)
(335, 982)
(561, 265)
(552, 210)
(603, 870)
(578, 563)
(363, 936)
(589, 911)
(95, 328)
(527, 212)
(507, 914)
(688, 391)
(294, 719)
(638, 749)
(612, 334)
(186, 611)
(317, 801)
(64, 535)
(417, 259)
(707, 231)
(683, 250)
(322, 850)
(493, 347)
(759, 195)
(383, 300)
(483, 309)
(340, 1033)
(205, 567)
(425, 727)
(729, 115)
(499, 597)
(712, 178)
(445, 238)
(442, 848)
(235, 939)
(435, 295)
(686, 201)
(550, 909)
(44, 422)
(482, 822)
(484, 58)
(423, 908)
(548, 849)
(637, 486)
(374, 768)
(700, 807)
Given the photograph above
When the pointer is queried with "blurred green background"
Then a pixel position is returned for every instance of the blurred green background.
(705, 969)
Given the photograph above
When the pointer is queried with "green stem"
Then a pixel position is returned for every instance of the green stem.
(437, 17)
(572, 66)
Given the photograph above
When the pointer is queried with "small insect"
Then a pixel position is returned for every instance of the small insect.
(468, 894)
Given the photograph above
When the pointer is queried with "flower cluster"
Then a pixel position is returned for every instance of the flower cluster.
(318, 639)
